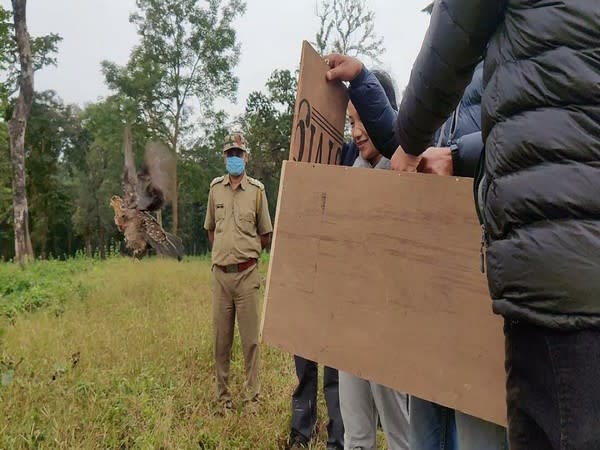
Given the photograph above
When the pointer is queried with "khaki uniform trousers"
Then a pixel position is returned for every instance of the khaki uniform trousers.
(236, 293)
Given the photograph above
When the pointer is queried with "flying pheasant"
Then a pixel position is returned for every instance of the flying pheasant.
(145, 191)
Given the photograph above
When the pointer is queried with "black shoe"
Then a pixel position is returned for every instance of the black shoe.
(297, 442)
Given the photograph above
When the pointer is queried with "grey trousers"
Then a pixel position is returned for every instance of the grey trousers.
(361, 402)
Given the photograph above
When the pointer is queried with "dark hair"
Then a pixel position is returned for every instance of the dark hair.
(388, 86)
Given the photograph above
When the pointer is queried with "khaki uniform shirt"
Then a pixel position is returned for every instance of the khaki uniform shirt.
(238, 218)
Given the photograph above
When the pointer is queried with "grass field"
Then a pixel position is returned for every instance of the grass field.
(117, 354)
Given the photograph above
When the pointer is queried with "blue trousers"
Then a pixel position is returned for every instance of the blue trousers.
(435, 427)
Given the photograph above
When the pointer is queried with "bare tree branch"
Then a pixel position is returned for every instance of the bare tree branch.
(347, 27)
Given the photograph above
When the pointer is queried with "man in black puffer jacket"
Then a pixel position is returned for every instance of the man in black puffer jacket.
(540, 198)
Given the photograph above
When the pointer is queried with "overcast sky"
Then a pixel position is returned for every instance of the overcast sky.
(270, 33)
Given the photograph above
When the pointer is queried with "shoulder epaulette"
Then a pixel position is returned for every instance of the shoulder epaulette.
(217, 180)
(256, 183)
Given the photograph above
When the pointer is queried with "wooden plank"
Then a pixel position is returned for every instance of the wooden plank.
(319, 113)
(378, 273)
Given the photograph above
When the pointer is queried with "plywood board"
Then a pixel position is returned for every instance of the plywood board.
(319, 112)
(378, 273)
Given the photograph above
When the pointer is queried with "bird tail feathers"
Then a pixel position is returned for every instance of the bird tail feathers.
(171, 247)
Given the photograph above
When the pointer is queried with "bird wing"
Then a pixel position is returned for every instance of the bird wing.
(156, 179)
(165, 244)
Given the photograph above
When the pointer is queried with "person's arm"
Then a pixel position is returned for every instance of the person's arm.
(264, 226)
(466, 152)
(460, 159)
(209, 221)
(265, 240)
(375, 111)
(455, 43)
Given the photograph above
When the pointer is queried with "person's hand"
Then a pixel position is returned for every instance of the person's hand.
(437, 160)
(403, 162)
(344, 68)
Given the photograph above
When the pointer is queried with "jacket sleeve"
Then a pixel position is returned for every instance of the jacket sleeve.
(455, 42)
(349, 154)
(375, 111)
(465, 154)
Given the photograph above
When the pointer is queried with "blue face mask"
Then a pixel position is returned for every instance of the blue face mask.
(235, 165)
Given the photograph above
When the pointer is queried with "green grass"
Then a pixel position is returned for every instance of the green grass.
(41, 284)
(117, 354)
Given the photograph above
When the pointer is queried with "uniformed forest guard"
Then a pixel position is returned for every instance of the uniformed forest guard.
(239, 227)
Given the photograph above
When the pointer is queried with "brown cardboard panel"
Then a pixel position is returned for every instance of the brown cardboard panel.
(378, 273)
(319, 113)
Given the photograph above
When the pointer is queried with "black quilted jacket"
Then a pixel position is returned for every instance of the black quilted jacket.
(541, 127)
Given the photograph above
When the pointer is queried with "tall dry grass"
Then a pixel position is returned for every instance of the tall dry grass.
(126, 362)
